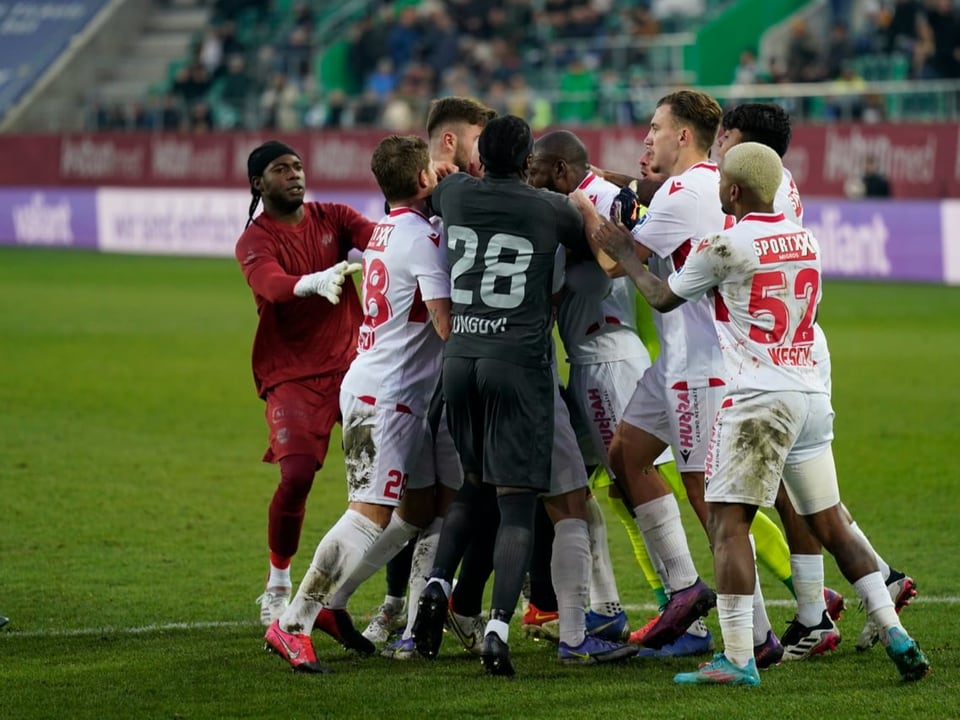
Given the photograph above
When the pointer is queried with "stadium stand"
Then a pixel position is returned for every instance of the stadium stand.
(197, 65)
(32, 36)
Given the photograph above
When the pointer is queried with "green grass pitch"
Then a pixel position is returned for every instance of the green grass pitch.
(133, 510)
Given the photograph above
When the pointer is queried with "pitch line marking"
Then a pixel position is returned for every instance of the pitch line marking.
(230, 625)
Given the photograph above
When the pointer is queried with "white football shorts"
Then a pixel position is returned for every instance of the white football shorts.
(384, 450)
(680, 416)
(760, 437)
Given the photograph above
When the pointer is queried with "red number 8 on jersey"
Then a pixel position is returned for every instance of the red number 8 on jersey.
(376, 281)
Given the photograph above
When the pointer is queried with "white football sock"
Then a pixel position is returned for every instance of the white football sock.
(604, 598)
(391, 541)
(424, 554)
(337, 556)
(736, 625)
(659, 523)
(873, 592)
(807, 573)
(279, 578)
(570, 567)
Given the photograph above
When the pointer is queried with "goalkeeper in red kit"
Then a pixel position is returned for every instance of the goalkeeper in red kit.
(294, 257)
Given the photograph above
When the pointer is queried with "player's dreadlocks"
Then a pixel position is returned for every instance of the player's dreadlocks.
(257, 162)
(505, 144)
(765, 123)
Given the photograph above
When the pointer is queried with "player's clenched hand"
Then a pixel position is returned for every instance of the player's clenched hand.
(614, 238)
(629, 206)
(328, 283)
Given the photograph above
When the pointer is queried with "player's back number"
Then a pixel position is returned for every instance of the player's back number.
(503, 266)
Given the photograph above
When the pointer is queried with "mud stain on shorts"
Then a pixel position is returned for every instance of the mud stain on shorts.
(359, 453)
(762, 443)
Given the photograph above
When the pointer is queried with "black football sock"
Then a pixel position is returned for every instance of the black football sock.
(511, 555)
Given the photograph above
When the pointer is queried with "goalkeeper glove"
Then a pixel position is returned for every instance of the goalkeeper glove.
(629, 205)
(328, 283)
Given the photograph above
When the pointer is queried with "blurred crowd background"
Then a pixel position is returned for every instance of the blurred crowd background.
(295, 64)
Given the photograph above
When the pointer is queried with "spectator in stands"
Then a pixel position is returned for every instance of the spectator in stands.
(849, 105)
(578, 84)
(383, 80)
(366, 42)
(440, 41)
(458, 81)
(296, 55)
(171, 113)
(905, 27)
(747, 71)
(803, 55)
(839, 51)
(279, 104)
(210, 53)
(944, 62)
(366, 110)
(403, 39)
(201, 117)
(614, 101)
(875, 183)
(303, 16)
(234, 87)
(520, 98)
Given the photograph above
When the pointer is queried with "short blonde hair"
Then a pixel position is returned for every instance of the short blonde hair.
(756, 168)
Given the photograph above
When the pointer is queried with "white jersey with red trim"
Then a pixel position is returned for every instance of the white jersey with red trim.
(787, 199)
(399, 354)
(788, 202)
(766, 272)
(597, 316)
(685, 209)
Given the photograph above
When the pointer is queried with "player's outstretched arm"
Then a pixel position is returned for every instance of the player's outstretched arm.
(328, 283)
(617, 242)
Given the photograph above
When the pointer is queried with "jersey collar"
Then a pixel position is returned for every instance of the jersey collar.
(764, 217)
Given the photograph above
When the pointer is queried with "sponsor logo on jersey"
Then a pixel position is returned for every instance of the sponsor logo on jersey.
(792, 356)
(785, 248)
(463, 324)
(380, 237)
(675, 186)
(601, 418)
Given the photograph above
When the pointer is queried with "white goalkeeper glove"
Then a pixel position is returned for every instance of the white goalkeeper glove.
(328, 283)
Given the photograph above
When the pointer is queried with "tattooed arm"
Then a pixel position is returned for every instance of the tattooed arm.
(440, 316)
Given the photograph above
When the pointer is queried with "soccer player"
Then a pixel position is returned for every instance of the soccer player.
(453, 126)
(771, 548)
(293, 256)
(595, 318)
(502, 237)
(775, 419)
(809, 633)
(676, 400)
(384, 399)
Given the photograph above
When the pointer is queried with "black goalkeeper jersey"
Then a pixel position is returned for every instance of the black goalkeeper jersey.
(502, 238)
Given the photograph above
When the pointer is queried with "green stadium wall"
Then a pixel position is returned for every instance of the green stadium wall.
(714, 56)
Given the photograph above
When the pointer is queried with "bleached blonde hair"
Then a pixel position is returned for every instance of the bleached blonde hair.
(754, 167)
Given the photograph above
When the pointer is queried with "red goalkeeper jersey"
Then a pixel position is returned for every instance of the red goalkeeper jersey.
(301, 337)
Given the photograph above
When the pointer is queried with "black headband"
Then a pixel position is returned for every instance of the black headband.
(266, 154)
